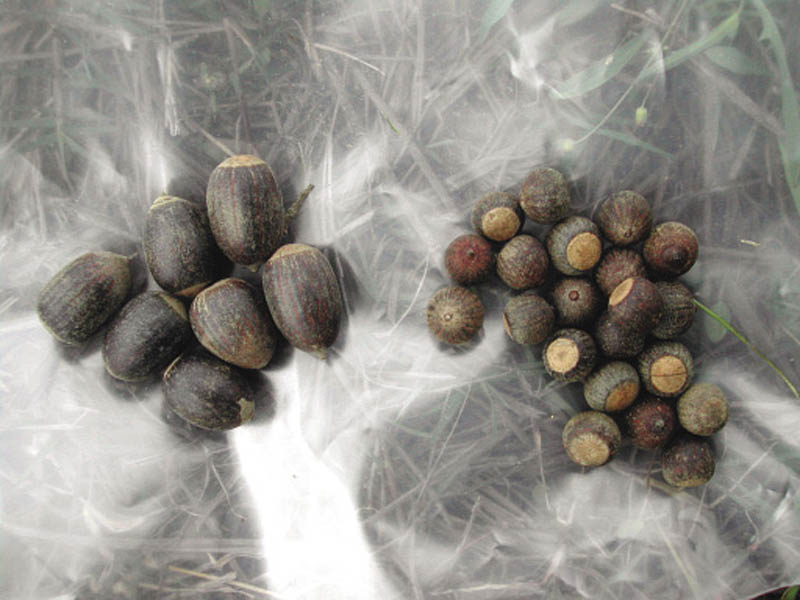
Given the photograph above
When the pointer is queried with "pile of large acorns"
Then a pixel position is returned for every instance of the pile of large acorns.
(189, 247)
(609, 319)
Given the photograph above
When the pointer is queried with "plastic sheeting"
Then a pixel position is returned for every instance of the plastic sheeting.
(399, 468)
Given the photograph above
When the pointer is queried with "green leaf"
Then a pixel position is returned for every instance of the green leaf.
(601, 71)
(496, 10)
(735, 61)
(791, 593)
(262, 7)
(714, 329)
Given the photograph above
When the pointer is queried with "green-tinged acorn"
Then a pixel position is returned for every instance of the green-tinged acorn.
(147, 334)
(612, 387)
(528, 318)
(636, 303)
(617, 265)
(231, 320)
(569, 355)
(498, 216)
(245, 209)
(651, 422)
(179, 248)
(577, 301)
(469, 259)
(207, 392)
(703, 409)
(522, 263)
(625, 218)
(679, 310)
(671, 249)
(574, 245)
(591, 438)
(615, 340)
(688, 461)
(545, 196)
(455, 315)
(666, 369)
(304, 297)
(83, 295)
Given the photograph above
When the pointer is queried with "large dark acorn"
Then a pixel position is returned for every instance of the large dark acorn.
(636, 304)
(591, 438)
(304, 297)
(245, 209)
(616, 340)
(679, 310)
(651, 422)
(616, 266)
(523, 263)
(179, 247)
(569, 355)
(625, 218)
(498, 216)
(455, 315)
(574, 245)
(577, 301)
(671, 249)
(545, 196)
(688, 461)
(83, 295)
(147, 334)
(231, 320)
(528, 318)
(469, 259)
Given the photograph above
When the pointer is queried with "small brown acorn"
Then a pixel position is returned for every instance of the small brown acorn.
(615, 340)
(612, 388)
(616, 266)
(569, 355)
(574, 245)
(179, 248)
(651, 422)
(469, 259)
(688, 461)
(591, 438)
(666, 369)
(304, 297)
(455, 315)
(83, 295)
(231, 320)
(498, 216)
(522, 263)
(146, 335)
(625, 218)
(245, 209)
(577, 301)
(703, 409)
(528, 318)
(637, 304)
(545, 196)
(671, 249)
(679, 310)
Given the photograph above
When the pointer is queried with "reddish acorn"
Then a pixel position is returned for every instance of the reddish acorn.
(523, 263)
(469, 259)
(498, 216)
(651, 422)
(637, 304)
(591, 438)
(528, 318)
(577, 301)
(455, 315)
(671, 249)
(617, 265)
(688, 461)
(625, 218)
(545, 196)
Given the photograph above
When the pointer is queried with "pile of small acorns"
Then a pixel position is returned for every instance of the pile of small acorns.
(610, 321)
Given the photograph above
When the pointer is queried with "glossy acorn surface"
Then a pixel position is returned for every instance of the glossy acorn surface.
(523, 263)
(625, 218)
(528, 318)
(469, 259)
(497, 216)
(703, 409)
(545, 196)
(230, 319)
(83, 295)
(666, 369)
(179, 248)
(303, 297)
(591, 438)
(569, 355)
(577, 301)
(612, 387)
(671, 249)
(617, 265)
(574, 245)
(146, 335)
(679, 310)
(688, 461)
(455, 315)
(651, 422)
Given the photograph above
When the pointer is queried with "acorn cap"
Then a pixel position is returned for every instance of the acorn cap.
(574, 245)
(612, 388)
(498, 216)
(569, 355)
(666, 369)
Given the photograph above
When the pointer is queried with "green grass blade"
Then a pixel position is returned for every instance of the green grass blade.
(735, 61)
(792, 593)
(496, 10)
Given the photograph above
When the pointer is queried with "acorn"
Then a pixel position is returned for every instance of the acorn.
(591, 438)
(651, 422)
(179, 248)
(523, 263)
(83, 295)
(303, 297)
(616, 266)
(612, 387)
(671, 249)
(688, 461)
(577, 301)
(574, 245)
(469, 259)
(615, 340)
(455, 315)
(666, 369)
(231, 320)
(637, 304)
(679, 310)
(703, 409)
(545, 196)
(625, 218)
(528, 318)
(569, 355)
(498, 216)
(245, 209)
(147, 334)
(207, 392)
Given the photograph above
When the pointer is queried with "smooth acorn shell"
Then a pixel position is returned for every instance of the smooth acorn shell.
(671, 249)
(207, 392)
(528, 318)
(304, 297)
(688, 461)
(179, 248)
(230, 319)
(545, 196)
(497, 216)
(637, 304)
(651, 422)
(591, 438)
(147, 334)
(625, 218)
(245, 209)
(83, 295)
